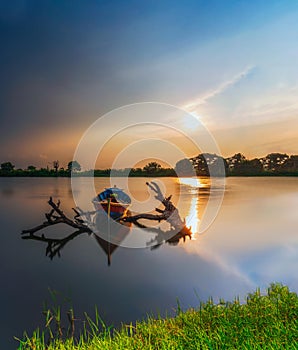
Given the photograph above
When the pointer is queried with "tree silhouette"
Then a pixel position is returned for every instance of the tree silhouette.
(31, 168)
(184, 167)
(7, 167)
(208, 163)
(274, 162)
(200, 164)
(291, 164)
(56, 166)
(152, 167)
(73, 166)
(235, 161)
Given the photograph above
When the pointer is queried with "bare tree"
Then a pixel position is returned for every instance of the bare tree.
(56, 166)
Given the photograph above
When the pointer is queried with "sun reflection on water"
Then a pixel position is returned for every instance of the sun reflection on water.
(190, 181)
(193, 184)
(192, 219)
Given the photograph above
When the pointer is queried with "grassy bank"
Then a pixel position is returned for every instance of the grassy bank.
(264, 322)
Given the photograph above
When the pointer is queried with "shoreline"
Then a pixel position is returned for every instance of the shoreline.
(150, 176)
(263, 321)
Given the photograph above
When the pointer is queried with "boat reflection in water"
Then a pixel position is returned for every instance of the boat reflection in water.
(108, 229)
(108, 233)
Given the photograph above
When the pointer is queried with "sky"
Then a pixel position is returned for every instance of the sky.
(64, 64)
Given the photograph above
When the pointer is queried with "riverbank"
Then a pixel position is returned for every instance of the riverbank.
(267, 321)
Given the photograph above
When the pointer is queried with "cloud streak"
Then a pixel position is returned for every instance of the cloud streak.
(192, 105)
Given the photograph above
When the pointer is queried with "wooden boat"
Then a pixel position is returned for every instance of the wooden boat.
(114, 201)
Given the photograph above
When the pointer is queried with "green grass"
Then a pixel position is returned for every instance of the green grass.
(264, 322)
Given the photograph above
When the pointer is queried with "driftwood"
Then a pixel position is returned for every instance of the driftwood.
(54, 217)
(82, 222)
(169, 214)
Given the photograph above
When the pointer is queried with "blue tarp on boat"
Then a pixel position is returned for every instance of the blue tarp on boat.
(114, 191)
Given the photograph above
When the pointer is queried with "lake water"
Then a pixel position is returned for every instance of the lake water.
(252, 242)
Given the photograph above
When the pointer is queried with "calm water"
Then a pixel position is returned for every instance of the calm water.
(252, 242)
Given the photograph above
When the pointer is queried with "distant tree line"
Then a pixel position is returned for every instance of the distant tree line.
(8, 169)
(74, 169)
(205, 164)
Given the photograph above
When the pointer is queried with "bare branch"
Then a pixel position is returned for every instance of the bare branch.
(169, 214)
(54, 217)
(57, 216)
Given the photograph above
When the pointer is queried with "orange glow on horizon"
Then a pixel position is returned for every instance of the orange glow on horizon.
(253, 141)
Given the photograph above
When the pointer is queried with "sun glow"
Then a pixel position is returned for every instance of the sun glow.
(190, 181)
(191, 120)
(192, 219)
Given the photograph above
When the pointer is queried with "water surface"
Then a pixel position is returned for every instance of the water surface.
(252, 242)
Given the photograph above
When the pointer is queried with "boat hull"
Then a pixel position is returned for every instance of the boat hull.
(115, 210)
